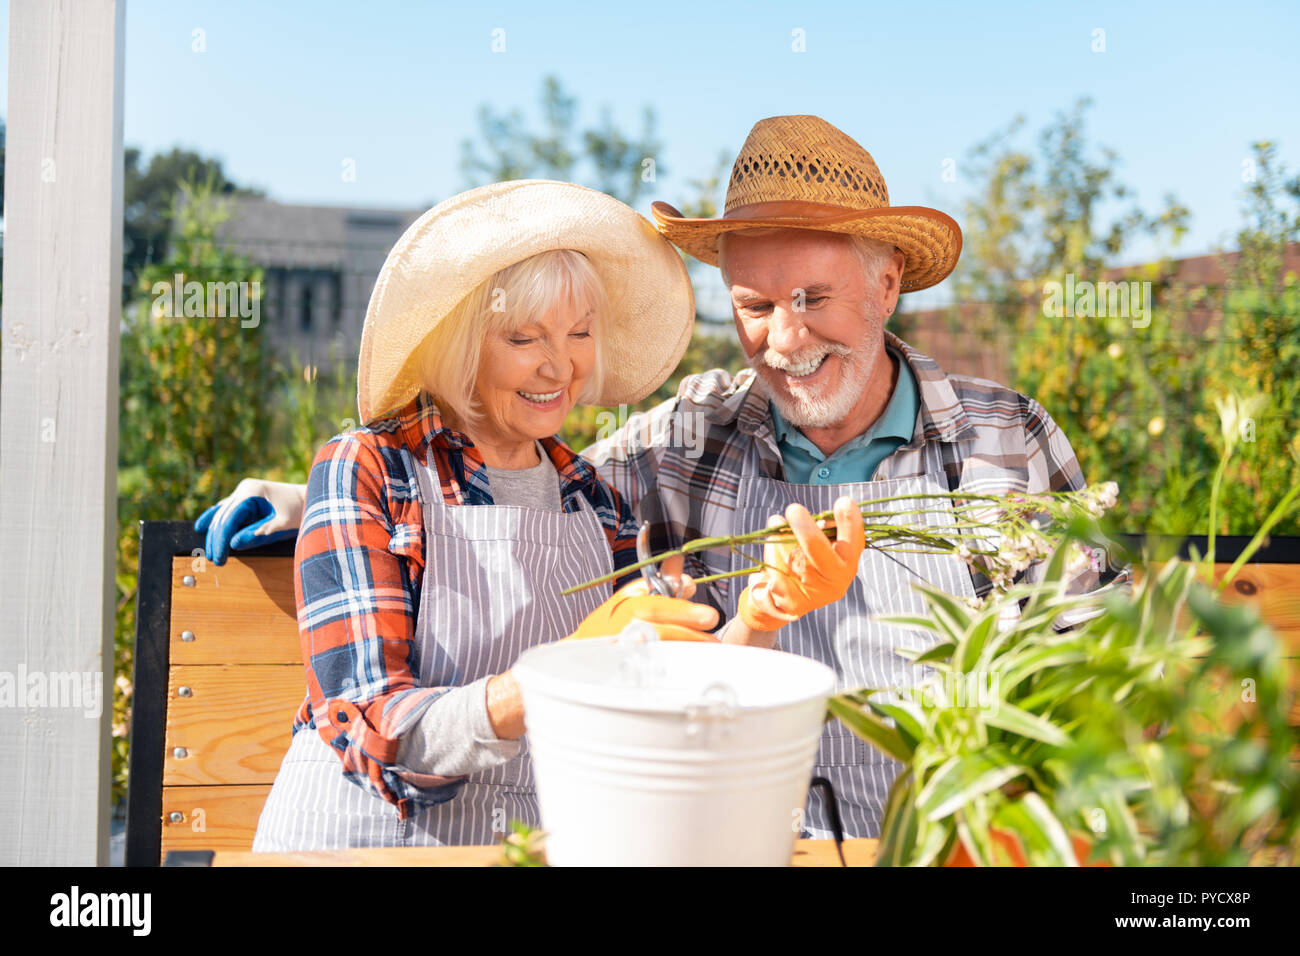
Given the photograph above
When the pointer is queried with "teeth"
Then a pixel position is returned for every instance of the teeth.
(804, 368)
(542, 397)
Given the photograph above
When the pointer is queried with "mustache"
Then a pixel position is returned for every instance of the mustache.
(806, 355)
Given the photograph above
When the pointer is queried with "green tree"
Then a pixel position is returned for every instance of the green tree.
(193, 389)
(1034, 217)
(1135, 400)
(1257, 347)
(148, 194)
(603, 156)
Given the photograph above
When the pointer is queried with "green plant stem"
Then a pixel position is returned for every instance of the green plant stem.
(938, 540)
(1214, 505)
(1276, 515)
(938, 545)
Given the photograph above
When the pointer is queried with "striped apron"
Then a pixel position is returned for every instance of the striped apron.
(843, 637)
(492, 577)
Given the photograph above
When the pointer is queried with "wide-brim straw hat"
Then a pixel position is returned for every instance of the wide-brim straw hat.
(467, 239)
(800, 172)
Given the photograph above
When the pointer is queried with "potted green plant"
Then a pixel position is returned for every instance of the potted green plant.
(1105, 742)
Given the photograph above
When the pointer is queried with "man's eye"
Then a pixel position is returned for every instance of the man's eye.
(757, 309)
(814, 299)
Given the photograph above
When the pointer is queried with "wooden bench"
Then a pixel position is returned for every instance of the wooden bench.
(219, 677)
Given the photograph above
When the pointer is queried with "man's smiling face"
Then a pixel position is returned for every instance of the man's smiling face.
(809, 319)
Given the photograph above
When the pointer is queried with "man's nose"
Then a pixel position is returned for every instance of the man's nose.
(786, 331)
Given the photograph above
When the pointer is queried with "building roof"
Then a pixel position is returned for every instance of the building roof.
(311, 237)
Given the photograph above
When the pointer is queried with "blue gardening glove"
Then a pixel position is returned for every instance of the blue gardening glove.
(257, 513)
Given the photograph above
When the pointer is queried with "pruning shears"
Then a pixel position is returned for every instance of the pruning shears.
(657, 583)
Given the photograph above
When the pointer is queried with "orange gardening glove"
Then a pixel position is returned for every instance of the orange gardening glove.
(676, 619)
(806, 572)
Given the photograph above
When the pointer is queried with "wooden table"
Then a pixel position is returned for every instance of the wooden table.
(806, 853)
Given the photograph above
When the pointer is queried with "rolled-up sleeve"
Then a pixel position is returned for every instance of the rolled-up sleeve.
(408, 744)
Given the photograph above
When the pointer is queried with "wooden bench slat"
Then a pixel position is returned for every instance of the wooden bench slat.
(807, 853)
(235, 726)
(225, 817)
(242, 612)
(1275, 590)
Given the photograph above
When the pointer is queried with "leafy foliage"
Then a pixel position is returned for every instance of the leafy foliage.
(1154, 732)
(1136, 401)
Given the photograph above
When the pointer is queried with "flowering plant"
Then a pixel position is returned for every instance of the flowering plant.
(1000, 536)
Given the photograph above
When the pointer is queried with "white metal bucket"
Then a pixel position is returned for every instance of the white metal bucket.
(665, 753)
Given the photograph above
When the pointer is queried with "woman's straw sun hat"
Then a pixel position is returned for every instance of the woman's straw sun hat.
(467, 239)
(800, 172)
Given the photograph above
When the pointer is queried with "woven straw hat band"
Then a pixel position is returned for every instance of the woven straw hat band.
(828, 166)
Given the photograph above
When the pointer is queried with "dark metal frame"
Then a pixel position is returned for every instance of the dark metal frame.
(160, 542)
(1227, 547)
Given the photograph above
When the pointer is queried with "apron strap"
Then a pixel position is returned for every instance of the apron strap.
(832, 812)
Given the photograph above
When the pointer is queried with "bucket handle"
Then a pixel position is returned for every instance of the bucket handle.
(823, 785)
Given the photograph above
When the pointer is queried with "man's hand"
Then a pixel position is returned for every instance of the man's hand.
(257, 513)
(806, 572)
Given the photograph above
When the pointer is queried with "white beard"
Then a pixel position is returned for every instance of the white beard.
(809, 407)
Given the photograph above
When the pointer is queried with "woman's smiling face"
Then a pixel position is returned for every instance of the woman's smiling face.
(529, 378)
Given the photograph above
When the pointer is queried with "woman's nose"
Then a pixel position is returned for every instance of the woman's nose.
(556, 363)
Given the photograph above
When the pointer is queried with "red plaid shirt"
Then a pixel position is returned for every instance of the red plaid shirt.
(358, 568)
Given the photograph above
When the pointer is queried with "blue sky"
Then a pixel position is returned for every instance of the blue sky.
(286, 91)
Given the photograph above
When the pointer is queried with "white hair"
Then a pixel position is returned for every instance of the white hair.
(529, 289)
(874, 254)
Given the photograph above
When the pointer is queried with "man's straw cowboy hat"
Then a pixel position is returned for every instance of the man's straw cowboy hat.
(467, 239)
(800, 172)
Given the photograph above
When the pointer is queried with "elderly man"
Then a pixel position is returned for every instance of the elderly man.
(834, 404)
(815, 259)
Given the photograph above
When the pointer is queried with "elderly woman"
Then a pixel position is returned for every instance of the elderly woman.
(436, 538)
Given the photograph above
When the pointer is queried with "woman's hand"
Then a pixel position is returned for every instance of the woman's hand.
(675, 618)
(806, 573)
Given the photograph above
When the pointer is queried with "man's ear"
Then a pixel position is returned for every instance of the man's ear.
(892, 279)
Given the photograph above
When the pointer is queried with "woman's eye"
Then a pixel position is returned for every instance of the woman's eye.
(518, 341)
(582, 335)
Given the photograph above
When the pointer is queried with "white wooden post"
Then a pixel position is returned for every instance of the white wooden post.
(58, 428)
